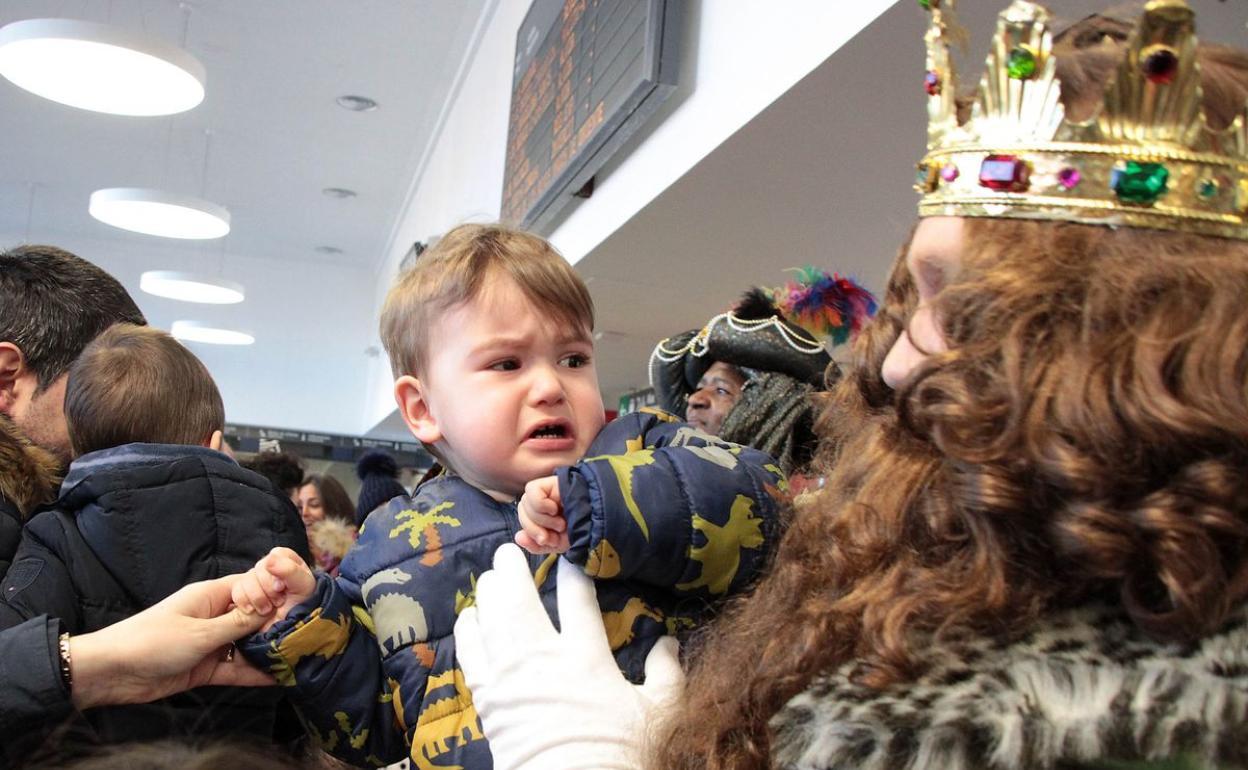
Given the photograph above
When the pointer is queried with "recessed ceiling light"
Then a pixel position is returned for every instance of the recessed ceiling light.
(193, 331)
(155, 212)
(338, 192)
(100, 68)
(328, 250)
(189, 287)
(356, 103)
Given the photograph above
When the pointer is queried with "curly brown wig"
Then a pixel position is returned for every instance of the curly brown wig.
(1085, 435)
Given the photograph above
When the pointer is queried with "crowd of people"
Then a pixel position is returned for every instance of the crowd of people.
(1023, 540)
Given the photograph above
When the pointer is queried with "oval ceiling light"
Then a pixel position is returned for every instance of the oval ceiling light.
(155, 212)
(189, 287)
(193, 331)
(100, 68)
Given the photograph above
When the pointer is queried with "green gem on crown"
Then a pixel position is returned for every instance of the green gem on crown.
(1021, 64)
(1207, 188)
(1141, 183)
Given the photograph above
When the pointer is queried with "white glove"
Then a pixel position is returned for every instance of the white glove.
(551, 700)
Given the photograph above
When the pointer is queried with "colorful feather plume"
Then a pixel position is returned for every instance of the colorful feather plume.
(828, 306)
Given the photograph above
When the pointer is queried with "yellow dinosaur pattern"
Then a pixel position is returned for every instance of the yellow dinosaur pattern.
(619, 624)
(603, 561)
(445, 719)
(721, 556)
(543, 569)
(623, 467)
(465, 600)
(662, 415)
(414, 522)
(357, 741)
(314, 636)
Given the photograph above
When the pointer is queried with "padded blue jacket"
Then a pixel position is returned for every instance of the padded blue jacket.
(668, 520)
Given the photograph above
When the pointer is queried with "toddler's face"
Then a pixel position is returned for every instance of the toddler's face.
(513, 393)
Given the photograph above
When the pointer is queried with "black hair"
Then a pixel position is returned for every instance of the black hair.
(52, 303)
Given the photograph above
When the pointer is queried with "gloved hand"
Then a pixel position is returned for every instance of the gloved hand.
(550, 700)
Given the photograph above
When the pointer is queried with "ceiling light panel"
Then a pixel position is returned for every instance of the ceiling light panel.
(193, 331)
(99, 67)
(155, 212)
(189, 287)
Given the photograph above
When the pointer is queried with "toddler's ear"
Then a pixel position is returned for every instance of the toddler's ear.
(409, 394)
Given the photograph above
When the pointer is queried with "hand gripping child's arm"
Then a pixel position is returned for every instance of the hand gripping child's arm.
(676, 508)
(317, 647)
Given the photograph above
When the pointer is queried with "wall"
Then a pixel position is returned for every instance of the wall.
(740, 56)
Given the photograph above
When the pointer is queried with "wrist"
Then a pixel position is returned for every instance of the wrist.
(90, 682)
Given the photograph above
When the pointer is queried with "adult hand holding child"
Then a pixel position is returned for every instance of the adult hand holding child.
(592, 716)
(278, 582)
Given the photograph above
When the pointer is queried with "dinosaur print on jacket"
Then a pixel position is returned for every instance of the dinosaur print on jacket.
(668, 520)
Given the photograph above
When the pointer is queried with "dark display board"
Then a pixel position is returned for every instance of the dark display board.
(588, 74)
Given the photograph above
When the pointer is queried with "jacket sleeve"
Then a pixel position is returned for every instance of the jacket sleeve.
(39, 582)
(671, 506)
(324, 652)
(32, 698)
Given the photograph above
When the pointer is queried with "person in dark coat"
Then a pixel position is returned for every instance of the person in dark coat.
(52, 304)
(170, 647)
(147, 506)
(28, 477)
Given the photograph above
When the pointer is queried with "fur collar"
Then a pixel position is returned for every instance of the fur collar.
(29, 474)
(1086, 685)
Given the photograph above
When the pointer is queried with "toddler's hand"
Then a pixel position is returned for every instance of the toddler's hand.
(278, 582)
(542, 526)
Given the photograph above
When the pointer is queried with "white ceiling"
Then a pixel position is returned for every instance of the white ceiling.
(274, 69)
(820, 177)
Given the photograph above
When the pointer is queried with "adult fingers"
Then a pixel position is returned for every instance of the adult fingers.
(579, 615)
(239, 673)
(664, 676)
(508, 608)
(470, 652)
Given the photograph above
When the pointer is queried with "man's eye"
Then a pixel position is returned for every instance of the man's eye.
(574, 361)
(723, 392)
(506, 365)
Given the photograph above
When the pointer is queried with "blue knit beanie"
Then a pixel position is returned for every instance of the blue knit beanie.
(379, 483)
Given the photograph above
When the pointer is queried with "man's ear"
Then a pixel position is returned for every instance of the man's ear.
(12, 370)
(409, 394)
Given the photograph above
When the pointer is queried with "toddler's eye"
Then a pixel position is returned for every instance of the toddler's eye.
(574, 361)
(506, 365)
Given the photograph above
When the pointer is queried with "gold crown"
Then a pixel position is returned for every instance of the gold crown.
(1147, 158)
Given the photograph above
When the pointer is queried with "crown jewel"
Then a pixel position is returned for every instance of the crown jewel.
(1146, 158)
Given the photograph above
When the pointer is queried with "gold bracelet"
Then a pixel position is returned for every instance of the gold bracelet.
(67, 677)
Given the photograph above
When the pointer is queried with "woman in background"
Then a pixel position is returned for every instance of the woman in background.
(328, 514)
